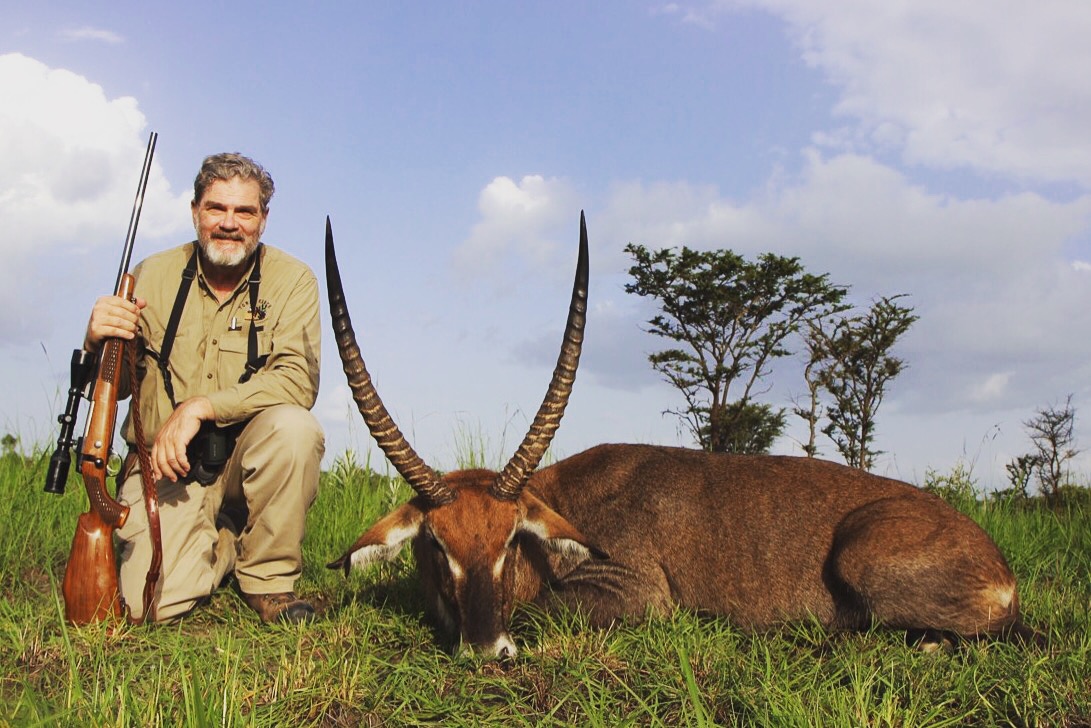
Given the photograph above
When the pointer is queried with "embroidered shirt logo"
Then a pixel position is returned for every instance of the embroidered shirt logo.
(258, 313)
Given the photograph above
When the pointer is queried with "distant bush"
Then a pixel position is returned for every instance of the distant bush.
(959, 488)
(1066, 497)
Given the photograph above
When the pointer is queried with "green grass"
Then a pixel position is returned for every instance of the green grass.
(371, 659)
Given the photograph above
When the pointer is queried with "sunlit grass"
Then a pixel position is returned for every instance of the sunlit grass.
(372, 660)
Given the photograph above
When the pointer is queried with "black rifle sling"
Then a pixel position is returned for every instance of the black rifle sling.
(253, 361)
(163, 359)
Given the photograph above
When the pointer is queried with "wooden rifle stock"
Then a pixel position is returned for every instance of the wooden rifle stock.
(90, 581)
(90, 584)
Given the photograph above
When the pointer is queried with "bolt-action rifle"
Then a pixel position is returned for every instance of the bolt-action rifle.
(90, 584)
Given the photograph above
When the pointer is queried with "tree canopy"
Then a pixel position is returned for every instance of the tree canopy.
(730, 317)
(856, 366)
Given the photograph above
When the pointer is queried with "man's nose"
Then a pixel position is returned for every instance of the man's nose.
(227, 222)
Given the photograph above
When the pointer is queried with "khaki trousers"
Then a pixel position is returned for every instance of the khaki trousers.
(273, 472)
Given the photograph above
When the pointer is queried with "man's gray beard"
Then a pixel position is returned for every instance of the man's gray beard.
(224, 258)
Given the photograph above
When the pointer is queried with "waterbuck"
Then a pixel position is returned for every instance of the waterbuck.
(621, 531)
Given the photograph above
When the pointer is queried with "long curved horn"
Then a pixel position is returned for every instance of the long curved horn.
(401, 455)
(509, 484)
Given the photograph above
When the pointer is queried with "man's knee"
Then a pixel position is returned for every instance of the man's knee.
(292, 430)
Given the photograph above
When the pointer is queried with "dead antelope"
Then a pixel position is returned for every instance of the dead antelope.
(620, 531)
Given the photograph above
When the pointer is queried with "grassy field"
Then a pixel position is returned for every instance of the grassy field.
(371, 660)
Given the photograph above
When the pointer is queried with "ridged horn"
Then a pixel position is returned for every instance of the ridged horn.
(398, 450)
(509, 484)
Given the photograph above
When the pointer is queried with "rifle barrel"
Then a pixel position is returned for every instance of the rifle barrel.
(138, 203)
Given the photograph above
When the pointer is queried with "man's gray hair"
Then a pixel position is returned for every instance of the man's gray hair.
(228, 165)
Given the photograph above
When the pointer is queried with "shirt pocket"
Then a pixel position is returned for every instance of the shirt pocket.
(234, 347)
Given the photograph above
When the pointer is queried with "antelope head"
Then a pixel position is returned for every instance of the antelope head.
(478, 536)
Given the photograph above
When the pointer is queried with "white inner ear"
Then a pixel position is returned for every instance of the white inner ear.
(568, 547)
(562, 546)
(388, 550)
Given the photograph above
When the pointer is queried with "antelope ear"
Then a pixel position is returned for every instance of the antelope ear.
(384, 540)
(554, 532)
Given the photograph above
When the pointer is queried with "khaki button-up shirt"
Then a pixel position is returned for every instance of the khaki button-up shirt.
(210, 348)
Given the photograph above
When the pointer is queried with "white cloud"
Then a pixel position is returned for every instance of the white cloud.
(855, 214)
(872, 217)
(525, 218)
(92, 34)
(992, 388)
(988, 278)
(71, 161)
(686, 15)
(995, 86)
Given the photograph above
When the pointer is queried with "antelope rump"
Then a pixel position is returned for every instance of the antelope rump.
(623, 531)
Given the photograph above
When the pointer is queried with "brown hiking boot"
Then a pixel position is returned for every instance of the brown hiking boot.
(283, 607)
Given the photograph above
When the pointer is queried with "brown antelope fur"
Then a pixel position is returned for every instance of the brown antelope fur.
(763, 540)
(621, 531)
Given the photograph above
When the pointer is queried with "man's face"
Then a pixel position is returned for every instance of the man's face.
(229, 221)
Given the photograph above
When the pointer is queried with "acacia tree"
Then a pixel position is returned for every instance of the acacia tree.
(815, 338)
(1052, 432)
(730, 317)
(858, 365)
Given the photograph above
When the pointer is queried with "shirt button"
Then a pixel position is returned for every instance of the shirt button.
(209, 375)
(215, 342)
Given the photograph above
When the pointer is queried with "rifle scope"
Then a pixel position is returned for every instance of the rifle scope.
(83, 363)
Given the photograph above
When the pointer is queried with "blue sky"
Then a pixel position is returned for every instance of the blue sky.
(929, 148)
